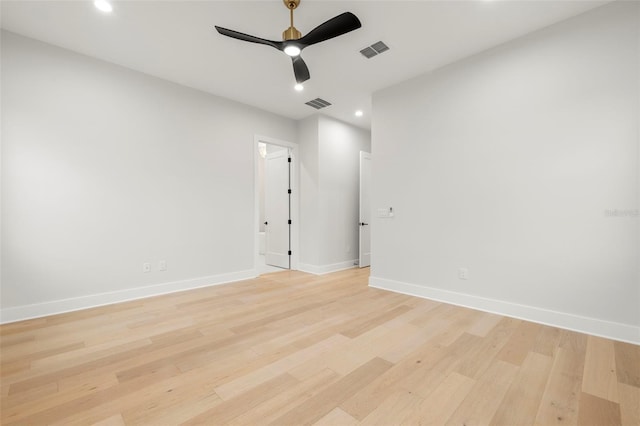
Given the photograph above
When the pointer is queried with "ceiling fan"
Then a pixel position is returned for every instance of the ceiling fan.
(293, 42)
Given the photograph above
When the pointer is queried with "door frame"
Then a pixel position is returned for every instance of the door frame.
(295, 197)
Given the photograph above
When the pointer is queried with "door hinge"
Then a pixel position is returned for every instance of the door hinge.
(289, 221)
(288, 191)
(289, 252)
(289, 159)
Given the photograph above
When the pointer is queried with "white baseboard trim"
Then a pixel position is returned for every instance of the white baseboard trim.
(326, 269)
(20, 313)
(593, 326)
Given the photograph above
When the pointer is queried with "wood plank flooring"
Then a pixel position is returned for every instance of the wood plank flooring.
(295, 349)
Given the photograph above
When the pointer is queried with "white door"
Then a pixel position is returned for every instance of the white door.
(365, 213)
(276, 208)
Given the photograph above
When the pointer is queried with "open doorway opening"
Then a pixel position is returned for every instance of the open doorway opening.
(276, 205)
(365, 210)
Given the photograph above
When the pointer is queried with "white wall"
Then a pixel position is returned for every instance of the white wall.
(330, 151)
(309, 190)
(506, 163)
(104, 168)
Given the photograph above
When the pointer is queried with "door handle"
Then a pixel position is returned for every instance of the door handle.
(266, 223)
(362, 224)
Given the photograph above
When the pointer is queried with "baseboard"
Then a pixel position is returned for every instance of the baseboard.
(593, 326)
(20, 313)
(327, 269)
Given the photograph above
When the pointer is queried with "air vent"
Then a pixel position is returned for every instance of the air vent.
(368, 52)
(380, 47)
(318, 103)
(373, 50)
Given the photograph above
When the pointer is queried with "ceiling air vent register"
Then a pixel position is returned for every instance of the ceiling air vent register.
(374, 50)
(318, 103)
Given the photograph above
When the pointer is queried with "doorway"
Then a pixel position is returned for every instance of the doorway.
(276, 205)
(365, 210)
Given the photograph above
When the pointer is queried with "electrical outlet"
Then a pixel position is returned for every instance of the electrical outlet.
(146, 267)
(162, 265)
(463, 273)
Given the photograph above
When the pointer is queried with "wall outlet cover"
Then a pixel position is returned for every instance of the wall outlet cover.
(463, 273)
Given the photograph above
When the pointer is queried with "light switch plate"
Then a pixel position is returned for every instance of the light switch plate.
(383, 212)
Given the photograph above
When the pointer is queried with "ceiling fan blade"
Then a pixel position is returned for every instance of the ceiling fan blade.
(249, 38)
(300, 69)
(334, 27)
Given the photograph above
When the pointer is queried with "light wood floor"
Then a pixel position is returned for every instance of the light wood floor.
(292, 348)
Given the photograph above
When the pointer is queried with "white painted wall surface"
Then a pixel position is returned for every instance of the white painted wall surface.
(507, 163)
(309, 189)
(104, 168)
(329, 181)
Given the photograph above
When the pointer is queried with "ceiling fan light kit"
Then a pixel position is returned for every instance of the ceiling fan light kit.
(293, 42)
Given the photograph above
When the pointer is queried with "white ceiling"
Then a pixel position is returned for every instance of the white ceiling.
(176, 41)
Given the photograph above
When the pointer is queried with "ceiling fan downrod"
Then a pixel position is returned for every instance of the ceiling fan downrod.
(292, 32)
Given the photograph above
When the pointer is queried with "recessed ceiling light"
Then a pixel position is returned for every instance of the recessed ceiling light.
(103, 6)
(359, 113)
(299, 87)
(292, 50)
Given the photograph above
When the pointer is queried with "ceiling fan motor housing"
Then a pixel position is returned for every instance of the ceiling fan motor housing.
(291, 33)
